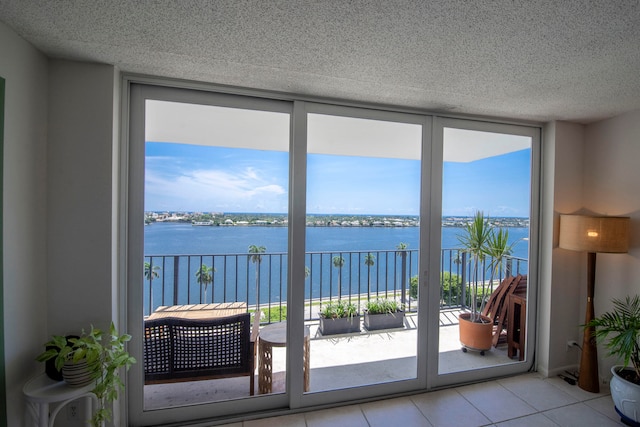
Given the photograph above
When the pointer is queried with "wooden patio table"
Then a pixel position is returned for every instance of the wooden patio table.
(199, 311)
(275, 335)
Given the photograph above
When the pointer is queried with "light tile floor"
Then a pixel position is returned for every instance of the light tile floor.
(524, 400)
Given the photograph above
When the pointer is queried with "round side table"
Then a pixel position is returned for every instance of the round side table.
(41, 391)
(275, 335)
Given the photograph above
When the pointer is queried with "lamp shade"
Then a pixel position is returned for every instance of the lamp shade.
(594, 233)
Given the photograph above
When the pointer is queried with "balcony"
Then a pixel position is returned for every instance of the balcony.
(238, 279)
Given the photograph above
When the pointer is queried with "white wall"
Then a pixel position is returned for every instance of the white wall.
(24, 227)
(612, 187)
(561, 275)
(79, 189)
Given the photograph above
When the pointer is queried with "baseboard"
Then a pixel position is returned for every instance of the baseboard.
(557, 371)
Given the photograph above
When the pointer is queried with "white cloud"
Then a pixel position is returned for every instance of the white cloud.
(211, 189)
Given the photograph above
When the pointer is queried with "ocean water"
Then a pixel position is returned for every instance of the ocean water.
(235, 278)
(177, 238)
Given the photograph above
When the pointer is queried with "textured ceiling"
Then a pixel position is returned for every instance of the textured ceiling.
(534, 60)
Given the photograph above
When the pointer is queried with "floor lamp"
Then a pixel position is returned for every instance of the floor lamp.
(592, 234)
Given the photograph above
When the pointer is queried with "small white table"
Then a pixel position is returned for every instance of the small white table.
(41, 391)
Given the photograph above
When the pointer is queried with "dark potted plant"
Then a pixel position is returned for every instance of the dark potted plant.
(622, 328)
(85, 359)
(383, 314)
(476, 331)
(339, 317)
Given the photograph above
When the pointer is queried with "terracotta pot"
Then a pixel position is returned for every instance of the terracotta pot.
(475, 335)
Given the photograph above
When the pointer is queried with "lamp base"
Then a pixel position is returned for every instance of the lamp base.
(588, 378)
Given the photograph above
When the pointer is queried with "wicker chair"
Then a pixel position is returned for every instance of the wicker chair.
(189, 350)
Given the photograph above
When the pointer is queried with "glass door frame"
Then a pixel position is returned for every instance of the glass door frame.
(440, 123)
(301, 110)
(132, 165)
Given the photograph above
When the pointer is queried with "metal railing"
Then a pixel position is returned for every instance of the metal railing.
(357, 276)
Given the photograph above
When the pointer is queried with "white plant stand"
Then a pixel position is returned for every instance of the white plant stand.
(41, 392)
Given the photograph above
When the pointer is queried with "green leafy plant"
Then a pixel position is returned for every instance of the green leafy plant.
(103, 359)
(383, 306)
(338, 309)
(622, 327)
(481, 240)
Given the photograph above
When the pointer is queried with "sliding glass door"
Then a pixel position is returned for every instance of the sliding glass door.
(320, 253)
(363, 255)
(486, 292)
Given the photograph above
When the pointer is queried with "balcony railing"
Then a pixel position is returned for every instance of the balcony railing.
(357, 276)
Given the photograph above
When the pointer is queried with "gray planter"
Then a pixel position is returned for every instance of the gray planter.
(374, 322)
(342, 325)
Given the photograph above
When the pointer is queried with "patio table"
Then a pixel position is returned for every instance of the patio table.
(275, 335)
(199, 311)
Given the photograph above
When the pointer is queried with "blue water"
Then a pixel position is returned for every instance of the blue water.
(355, 277)
(172, 239)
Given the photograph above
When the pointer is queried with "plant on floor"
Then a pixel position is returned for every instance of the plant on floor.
(621, 327)
(104, 362)
(474, 240)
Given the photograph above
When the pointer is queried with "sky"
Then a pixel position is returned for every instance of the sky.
(234, 158)
(199, 178)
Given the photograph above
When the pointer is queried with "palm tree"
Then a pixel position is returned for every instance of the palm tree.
(204, 276)
(151, 273)
(474, 240)
(402, 251)
(256, 258)
(338, 262)
(369, 261)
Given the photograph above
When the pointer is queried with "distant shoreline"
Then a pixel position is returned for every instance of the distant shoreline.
(316, 220)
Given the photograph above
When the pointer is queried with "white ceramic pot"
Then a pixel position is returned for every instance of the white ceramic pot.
(625, 395)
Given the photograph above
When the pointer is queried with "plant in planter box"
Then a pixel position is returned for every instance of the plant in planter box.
(383, 314)
(86, 359)
(339, 317)
(622, 328)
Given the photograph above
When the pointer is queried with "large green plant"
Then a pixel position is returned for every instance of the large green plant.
(104, 360)
(498, 248)
(480, 240)
(473, 239)
(622, 327)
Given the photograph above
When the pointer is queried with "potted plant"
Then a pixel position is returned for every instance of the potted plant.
(478, 241)
(622, 327)
(85, 359)
(339, 317)
(383, 314)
